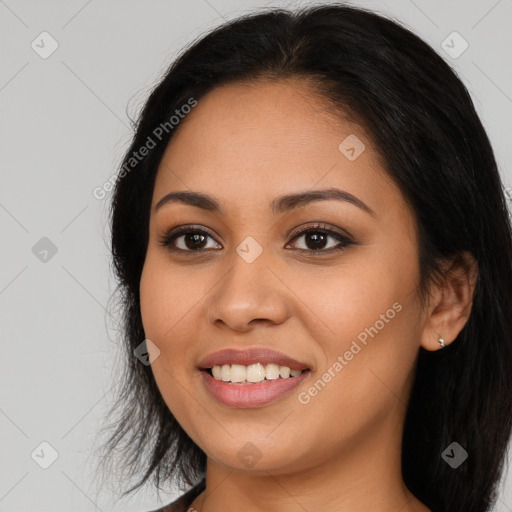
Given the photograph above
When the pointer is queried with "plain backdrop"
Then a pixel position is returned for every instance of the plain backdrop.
(70, 72)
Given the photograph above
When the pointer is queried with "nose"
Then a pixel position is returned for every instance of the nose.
(249, 294)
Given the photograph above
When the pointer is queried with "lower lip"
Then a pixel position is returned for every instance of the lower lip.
(251, 395)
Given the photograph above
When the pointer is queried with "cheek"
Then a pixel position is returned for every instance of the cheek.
(167, 297)
(340, 304)
(365, 370)
(154, 307)
(365, 313)
(166, 300)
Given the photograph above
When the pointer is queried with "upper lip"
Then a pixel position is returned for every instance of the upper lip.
(250, 356)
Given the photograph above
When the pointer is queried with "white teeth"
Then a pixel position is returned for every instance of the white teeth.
(255, 372)
(272, 371)
(238, 373)
(226, 371)
(252, 373)
(284, 371)
(217, 372)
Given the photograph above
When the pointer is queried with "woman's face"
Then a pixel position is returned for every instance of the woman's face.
(352, 316)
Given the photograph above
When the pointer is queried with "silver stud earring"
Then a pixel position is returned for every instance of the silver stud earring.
(441, 342)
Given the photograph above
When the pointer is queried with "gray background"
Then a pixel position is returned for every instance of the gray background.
(64, 128)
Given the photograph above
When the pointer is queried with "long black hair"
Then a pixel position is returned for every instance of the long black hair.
(423, 123)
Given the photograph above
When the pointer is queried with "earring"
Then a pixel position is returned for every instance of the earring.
(441, 342)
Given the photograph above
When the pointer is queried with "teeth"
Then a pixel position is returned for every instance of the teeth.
(217, 372)
(272, 371)
(255, 372)
(238, 373)
(284, 371)
(225, 372)
(252, 373)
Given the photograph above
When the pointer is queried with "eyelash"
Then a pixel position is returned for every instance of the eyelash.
(344, 241)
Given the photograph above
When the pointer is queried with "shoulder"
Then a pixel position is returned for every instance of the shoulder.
(181, 504)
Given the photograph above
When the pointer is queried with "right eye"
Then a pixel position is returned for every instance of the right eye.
(193, 240)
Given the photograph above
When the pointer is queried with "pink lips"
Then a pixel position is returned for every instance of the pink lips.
(251, 395)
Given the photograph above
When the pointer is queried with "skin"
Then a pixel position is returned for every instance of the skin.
(245, 145)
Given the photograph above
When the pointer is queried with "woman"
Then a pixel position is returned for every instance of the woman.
(314, 249)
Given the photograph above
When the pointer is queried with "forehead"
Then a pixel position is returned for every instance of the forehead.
(248, 143)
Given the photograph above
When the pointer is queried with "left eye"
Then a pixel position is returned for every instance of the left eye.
(317, 240)
(193, 240)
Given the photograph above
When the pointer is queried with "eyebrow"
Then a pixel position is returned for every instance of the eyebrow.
(279, 205)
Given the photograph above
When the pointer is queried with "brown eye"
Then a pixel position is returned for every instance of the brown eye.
(192, 240)
(316, 239)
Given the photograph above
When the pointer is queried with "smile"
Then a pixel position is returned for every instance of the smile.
(252, 373)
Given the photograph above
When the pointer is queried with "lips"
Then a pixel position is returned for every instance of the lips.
(252, 395)
(250, 356)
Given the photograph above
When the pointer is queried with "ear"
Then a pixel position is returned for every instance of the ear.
(451, 302)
